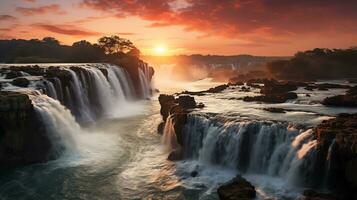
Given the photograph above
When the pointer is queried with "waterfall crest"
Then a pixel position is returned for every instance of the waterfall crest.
(274, 149)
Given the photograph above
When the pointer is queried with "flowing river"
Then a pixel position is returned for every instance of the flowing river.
(123, 157)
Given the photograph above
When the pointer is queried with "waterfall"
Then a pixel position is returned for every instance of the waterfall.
(94, 90)
(144, 84)
(59, 123)
(169, 136)
(258, 147)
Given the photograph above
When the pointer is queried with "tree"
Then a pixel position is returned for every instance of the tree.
(51, 41)
(115, 44)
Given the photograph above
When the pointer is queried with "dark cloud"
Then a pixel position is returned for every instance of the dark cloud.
(48, 9)
(240, 18)
(67, 30)
(7, 18)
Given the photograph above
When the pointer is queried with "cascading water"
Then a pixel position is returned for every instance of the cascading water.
(95, 90)
(169, 136)
(60, 125)
(254, 147)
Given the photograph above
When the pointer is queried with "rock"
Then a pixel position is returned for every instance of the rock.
(13, 74)
(175, 155)
(34, 70)
(275, 87)
(275, 110)
(216, 89)
(347, 100)
(21, 82)
(187, 102)
(238, 188)
(194, 173)
(313, 195)
(245, 89)
(166, 102)
(341, 158)
(160, 128)
(307, 95)
(272, 98)
(23, 138)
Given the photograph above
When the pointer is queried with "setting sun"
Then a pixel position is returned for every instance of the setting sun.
(160, 50)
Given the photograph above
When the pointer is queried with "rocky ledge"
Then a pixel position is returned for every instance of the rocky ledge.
(347, 100)
(337, 152)
(274, 92)
(23, 139)
(237, 188)
(177, 108)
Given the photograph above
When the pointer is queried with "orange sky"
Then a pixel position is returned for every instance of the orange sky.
(259, 27)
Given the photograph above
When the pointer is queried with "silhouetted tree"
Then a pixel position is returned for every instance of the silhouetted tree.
(115, 44)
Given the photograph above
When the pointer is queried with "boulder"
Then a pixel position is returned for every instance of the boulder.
(237, 188)
(21, 82)
(347, 100)
(275, 87)
(187, 102)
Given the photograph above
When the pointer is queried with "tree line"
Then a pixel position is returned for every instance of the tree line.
(49, 50)
(316, 64)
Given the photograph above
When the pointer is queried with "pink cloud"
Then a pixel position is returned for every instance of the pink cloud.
(67, 30)
(49, 9)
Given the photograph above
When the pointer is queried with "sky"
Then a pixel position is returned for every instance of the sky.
(173, 27)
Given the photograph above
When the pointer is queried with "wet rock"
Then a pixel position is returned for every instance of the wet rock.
(34, 70)
(23, 139)
(275, 110)
(347, 100)
(313, 195)
(337, 148)
(216, 89)
(275, 87)
(238, 188)
(175, 155)
(13, 74)
(194, 173)
(271, 98)
(187, 102)
(21, 82)
(245, 89)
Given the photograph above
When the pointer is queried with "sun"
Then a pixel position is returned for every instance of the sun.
(160, 50)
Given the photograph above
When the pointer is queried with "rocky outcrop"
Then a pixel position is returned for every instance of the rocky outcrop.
(21, 82)
(237, 188)
(347, 100)
(313, 195)
(274, 92)
(23, 138)
(177, 109)
(337, 152)
(216, 89)
(272, 98)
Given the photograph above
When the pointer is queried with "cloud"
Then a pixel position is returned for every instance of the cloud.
(7, 18)
(240, 18)
(67, 30)
(5, 29)
(31, 1)
(49, 9)
(125, 33)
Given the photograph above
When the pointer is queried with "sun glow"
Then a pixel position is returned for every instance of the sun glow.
(160, 50)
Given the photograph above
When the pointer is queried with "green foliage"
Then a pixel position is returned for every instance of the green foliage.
(316, 64)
